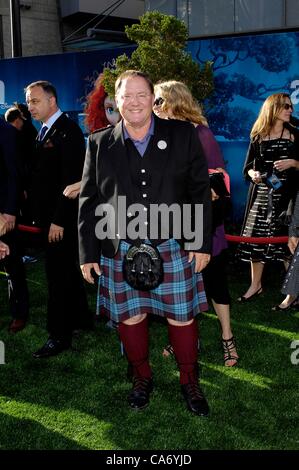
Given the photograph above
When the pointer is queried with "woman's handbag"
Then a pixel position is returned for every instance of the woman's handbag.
(219, 182)
(143, 267)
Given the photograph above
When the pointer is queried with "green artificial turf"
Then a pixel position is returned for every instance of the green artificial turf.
(77, 400)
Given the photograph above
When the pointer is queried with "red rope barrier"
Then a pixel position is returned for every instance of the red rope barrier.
(27, 228)
(229, 238)
(258, 240)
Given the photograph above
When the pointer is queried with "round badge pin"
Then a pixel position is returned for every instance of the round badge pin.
(162, 144)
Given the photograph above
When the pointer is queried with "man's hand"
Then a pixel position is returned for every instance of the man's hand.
(55, 233)
(72, 190)
(4, 250)
(86, 271)
(214, 195)
(292, 244)
(10, 221)
(3, 227)
(201, 260)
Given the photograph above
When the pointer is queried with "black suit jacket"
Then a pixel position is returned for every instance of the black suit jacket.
(8, 169)
(59, 162)
(178, 173)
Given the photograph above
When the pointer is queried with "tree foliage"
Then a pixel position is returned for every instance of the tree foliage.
(227, 51)
(161, 40)
(233, 123)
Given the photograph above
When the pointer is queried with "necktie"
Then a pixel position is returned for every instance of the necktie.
(42, 133)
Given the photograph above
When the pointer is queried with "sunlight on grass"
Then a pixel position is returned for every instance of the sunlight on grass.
(241, 374)
(274, 331)
(210, 384)
(255, 326)
(72, 424)
(77, 401)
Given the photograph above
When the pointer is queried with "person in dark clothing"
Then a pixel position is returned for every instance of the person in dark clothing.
(18, 117)
(60, 151)
(9, 197)
(270, 166)
(148, 161)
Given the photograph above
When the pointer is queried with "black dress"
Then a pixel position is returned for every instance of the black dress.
(265, 204)
(291, 282)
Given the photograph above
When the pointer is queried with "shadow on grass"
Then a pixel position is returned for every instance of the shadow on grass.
(80, 395)
(19, 433)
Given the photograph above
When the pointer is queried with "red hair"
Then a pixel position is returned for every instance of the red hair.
(94, 108)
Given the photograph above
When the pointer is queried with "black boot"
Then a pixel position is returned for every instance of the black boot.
(196, 402)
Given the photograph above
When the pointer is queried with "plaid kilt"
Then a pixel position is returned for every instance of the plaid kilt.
(180, 296)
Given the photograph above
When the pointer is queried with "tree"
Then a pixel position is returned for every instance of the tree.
(161, 41)
(233, 123)
(227, 51)
(223, 113)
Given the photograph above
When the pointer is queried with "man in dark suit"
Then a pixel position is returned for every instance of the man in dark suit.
(8, 174)
(147, 161)
(59, 161)
(9, 200)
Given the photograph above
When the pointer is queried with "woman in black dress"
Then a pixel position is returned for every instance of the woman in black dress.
(270, 166)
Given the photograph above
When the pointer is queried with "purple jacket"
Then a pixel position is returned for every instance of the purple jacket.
(215, 160)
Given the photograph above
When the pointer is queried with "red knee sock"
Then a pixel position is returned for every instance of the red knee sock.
(135, 341)
(184, 340)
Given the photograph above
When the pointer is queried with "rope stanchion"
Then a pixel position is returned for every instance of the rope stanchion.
(229, 238)
(258, 240)
(29, 228)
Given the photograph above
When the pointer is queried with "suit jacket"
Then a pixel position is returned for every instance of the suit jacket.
(58, 162)
(294, 225)
(179, 175)
(8, 169)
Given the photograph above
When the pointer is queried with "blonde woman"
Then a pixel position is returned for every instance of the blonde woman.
(173, 100)
(270, 166)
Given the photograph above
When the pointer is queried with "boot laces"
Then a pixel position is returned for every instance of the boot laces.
(194, 391)
(140, 383)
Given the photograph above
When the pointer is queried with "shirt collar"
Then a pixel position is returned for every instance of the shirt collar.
(149, 132)
(49, 123)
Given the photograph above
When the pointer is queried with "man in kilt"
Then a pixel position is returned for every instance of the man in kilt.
(148, 161)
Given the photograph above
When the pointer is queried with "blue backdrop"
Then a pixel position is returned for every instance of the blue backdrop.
(71, 73)
(247, 69)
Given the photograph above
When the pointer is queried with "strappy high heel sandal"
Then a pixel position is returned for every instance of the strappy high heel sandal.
(168, 351)
(230, 351)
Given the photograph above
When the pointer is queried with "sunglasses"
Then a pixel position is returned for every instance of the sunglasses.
(288, 106)
(158, 101)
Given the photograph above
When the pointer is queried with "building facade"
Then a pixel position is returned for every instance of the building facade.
(55, 26)
(40, 28)
(222, 17)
